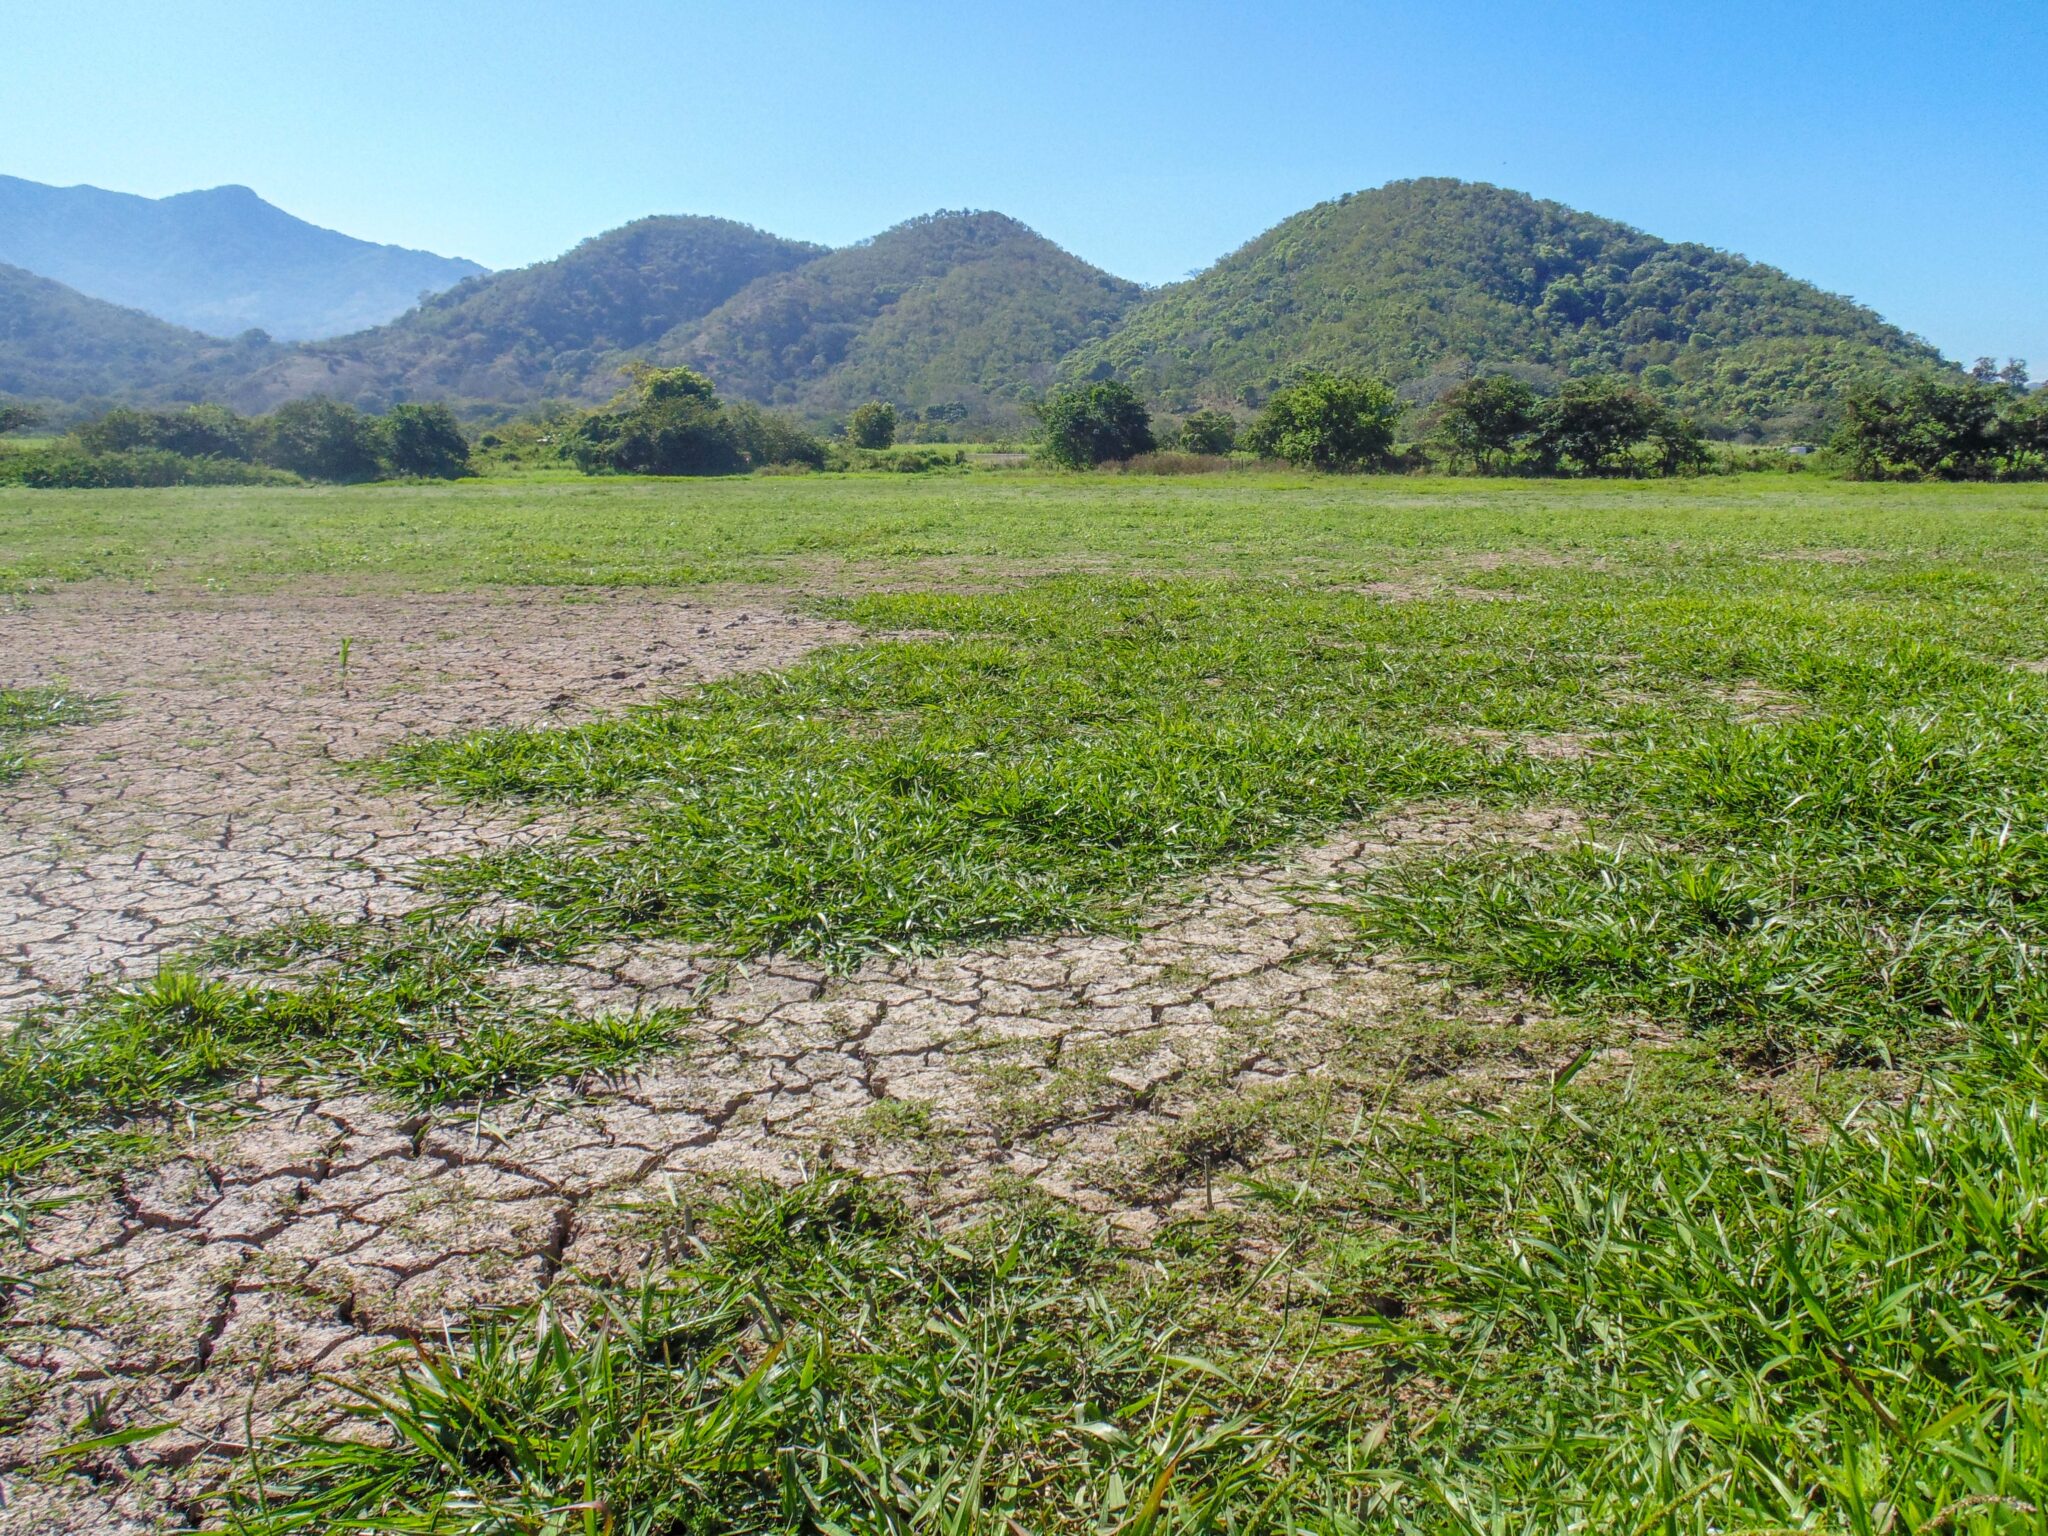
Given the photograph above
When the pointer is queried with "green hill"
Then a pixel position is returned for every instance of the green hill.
(1426, 281)
(561, 328)
(952, 308)
(57, 344)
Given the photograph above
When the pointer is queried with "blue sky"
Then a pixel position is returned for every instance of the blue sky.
(1895, 152)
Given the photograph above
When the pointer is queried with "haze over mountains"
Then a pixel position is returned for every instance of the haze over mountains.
(221, 261)
(1422, 281)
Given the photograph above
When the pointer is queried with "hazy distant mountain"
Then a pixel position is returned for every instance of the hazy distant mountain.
(1427, 281)
(952, 308)
(58, 344)
(222, 261)
(559, 329)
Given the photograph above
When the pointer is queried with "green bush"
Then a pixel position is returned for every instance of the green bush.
(322, 439)
(671, 422)
(1328, 421)
(872, 425)
(1088, 424)
(68, 466)
(1208, 432)
(423, 441)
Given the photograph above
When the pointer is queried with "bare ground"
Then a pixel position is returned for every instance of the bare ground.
(216, 1291)
(213, 797)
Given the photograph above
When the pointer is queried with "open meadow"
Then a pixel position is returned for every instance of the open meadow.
(994, 1001)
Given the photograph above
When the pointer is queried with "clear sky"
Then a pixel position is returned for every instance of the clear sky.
(1895, 152)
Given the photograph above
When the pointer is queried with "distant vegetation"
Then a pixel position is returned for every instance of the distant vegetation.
(955, 308)
(1949, 429)
(671, 422)
(964, 321)
(310, 439)
(1429, 282)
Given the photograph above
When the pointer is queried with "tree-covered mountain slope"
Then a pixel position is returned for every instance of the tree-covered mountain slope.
(558, 329)
(953, 308)
(1426, 281)
(221, 261)
(58, 344)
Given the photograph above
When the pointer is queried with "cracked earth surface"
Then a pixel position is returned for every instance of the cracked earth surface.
(214, 796)
(218, 1291)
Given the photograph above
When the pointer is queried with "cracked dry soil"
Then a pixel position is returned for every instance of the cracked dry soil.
(213, 798)
(218, 1291)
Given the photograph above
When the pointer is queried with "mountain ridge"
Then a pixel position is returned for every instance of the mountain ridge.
(219, 260)
(1425, 282)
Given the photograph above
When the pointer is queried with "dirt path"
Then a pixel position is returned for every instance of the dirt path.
(215, 795)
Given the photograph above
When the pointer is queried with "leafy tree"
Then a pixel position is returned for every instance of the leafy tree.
(1592, 422)
(872, 425)
(2014, 374)
(322, 439)
(14, 417)
(1330, 421)
(1484, 420)
(1930, 426)
(424, 440)
(2023, 436)
(1209, 432)
(1985, 370)
(1681, 448)
(1088, 424)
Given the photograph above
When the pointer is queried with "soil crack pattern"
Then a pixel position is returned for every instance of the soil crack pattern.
(213, 799)
(220, 1292)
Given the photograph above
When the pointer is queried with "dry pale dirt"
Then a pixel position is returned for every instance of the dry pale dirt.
(217, 1291)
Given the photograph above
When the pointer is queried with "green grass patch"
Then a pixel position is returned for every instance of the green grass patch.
(411, 1013)
(24, 711)
(1570, 1313)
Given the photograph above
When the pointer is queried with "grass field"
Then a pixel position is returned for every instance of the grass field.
(1727, 1211)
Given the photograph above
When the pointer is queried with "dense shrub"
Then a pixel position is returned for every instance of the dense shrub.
(322, 439)
(872, 425)
(671, 422)
(1208, 432)
(766, 439)
(67, 466)
(198, 431)
(1328, 421)
(1083, 425)
(424, 441)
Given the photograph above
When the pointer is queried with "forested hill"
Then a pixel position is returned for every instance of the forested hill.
(559, 329)
(1425, 281)
(966, 309)
(59, 344)
(221, 261)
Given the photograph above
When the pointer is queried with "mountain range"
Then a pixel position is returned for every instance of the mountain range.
(222, 261)
(974, 314)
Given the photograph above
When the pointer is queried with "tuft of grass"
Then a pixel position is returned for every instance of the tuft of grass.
(26, 710)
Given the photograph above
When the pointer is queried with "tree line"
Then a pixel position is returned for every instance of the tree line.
(672, 421)
(1348, 422)
(1962, 428)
